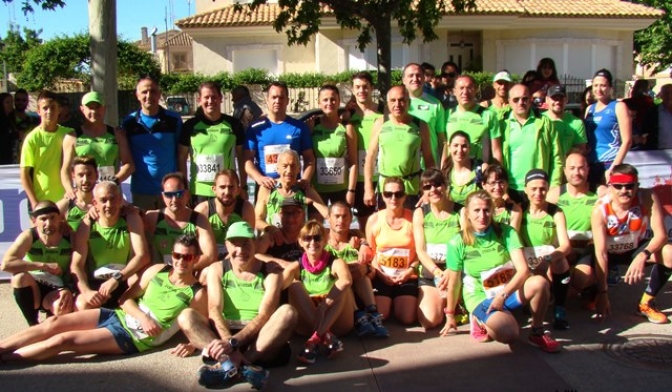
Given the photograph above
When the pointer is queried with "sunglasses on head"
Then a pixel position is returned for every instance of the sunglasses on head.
(397, 195)
(629, 186)
(175, 194)
(183, 256)
(315, 237)
(523, 100)
(428, 186)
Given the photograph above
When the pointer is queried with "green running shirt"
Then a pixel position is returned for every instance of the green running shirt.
(60, 254)
(399, 154)
(74, 216)
(274, 203)
(539, 231)
(477, 123)
(165, 235)
(331, 174)
(105, 149)
(242, 298)
(363, 126)
(108, 245)
(347, 254)
(437, 233)
(318, 284)
(220, 228)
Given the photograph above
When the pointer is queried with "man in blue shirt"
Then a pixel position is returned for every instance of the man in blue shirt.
(267, 138)
(153, 133)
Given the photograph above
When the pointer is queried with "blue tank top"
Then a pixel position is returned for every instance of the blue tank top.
(604, 135)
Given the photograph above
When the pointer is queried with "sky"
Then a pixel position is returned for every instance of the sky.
(73, 18)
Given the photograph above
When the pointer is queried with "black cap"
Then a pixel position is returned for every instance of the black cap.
(535, 174)
(557, 89)
(291, 202)
(605, 74)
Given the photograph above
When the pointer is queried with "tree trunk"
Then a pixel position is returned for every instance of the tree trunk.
(103, 33)
(383, 28)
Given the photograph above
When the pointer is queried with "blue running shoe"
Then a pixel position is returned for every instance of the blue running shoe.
(219, 374)
(363, 326)
(376, 319)
(256, 376)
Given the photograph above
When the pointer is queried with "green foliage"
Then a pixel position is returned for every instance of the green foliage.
(69, 58)
(15, 46)
(655, 42)
(27, 7)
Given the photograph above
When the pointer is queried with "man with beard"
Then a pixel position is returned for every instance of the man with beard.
(501, 83)
(84, 174)
(570, 129)
(227, 208)
(163, 226)
(39, 260)
(109, 251)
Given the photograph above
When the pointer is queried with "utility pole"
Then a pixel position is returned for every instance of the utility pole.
(103, 36)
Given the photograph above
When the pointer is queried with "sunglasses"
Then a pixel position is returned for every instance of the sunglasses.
(430, 185)
(174, 194)
(397, 195)
(523, 100)
(495, 183)
(451, 75)
(308, 238)
(184, 256)
(628, 187)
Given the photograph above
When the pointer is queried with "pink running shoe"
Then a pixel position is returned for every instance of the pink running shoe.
(478, 331)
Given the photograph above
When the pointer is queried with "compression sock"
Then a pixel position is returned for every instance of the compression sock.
(560, 287)
(26, 300)
(660, 274)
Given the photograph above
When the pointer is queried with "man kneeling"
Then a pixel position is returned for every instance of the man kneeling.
(145, 320)
(249, 327)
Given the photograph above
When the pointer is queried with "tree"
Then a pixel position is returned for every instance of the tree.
(654, 43)
(70, 58)
(27, 5)
(15, 46)
(301, 20)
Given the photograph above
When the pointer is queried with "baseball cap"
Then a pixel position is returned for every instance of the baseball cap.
(535, 174)
(292, 202)
(557, 89)
(240, 230)
(502, 75)
(605, 74)
(92, 96)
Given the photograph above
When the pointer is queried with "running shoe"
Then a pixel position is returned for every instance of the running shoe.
(219, 374)
(363, 326)
(478, 331)
(560, 319)
(544, 341)
(309, 353)
(461, 315)
(333, 344)
(376, 319)
(256, 376)
(654, 315)
(614, 276)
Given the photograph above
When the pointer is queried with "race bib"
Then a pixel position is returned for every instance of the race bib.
(535, 255)
(134, 326)
(330, 171)
(622, 243)
(207, 167)
(106, 173)
(362, 161)
(494, 280)
(393, 261)
(47, 278)
(437, 252)
(105, 272)
(271, 154)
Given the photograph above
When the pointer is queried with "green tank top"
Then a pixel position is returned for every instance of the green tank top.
(459, 193)
(330, 167)
(437, 233)
(60, 254)
(163, 301)
(505, 215)
(109, 245)
(347, 254)
(477, 123)
(74, 215)
(241, 298)
(399, 154)
(165, 235)
(274, 203)
(540, 231)
(363, 126)
(318, 284)
(577, 210)
(213, 148)
(220, 228)
(105, 149)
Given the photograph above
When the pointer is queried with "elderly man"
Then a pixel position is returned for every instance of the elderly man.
(245, 322)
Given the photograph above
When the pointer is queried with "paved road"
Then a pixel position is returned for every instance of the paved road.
(624, 354)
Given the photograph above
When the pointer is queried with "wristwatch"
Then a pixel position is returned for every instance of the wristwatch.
(117, 276)
(233, 342)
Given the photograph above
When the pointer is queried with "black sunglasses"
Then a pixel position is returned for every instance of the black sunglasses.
(176, 194)
(428, 186)
(629, 186)
(524, 100)
(308, 238)
(398, 194)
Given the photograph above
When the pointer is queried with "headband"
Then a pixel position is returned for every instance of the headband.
(622, 178)
(45, 210)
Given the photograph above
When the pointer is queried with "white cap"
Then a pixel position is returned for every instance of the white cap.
(502, 75)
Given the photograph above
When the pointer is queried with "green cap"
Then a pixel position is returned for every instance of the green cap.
(240, 230)
(92, 96)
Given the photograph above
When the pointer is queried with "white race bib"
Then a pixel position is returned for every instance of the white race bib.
(362, 161)
(394, 260)
(207, 167)
(135, 328)
(47, 278)
(580, 235)
(106, 173)
(330, 171)
(105, 272)
(437, 252)
(271, 153)
(622, 243)
(535, 255)
(494, 280)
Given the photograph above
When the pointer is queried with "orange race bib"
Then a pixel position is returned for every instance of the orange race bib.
(394, 260)
(495, 279)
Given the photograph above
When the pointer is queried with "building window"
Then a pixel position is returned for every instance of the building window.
(255, 58)
(180, 62)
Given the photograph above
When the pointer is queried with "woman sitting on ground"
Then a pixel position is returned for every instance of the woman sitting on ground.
(496, 184)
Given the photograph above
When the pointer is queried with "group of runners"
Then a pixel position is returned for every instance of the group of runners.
(465, 215)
